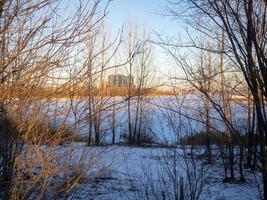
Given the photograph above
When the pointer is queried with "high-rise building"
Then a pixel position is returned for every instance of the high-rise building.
(118, 80)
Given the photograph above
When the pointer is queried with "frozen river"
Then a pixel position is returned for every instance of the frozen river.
(165, 117)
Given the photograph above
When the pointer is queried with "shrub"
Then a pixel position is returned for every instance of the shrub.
(215, 138)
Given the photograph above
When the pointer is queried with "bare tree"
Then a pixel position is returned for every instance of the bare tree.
(100, 59)
(140, 81)
(132, 48)
(244, 25)
(36, 41)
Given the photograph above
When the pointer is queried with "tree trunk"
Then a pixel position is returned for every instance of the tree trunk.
(250, 136)
(113, 122)
(227, 113)
(241, 155)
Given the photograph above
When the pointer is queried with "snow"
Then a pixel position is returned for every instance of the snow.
(124, 172)
(121, 172)
(186, 112)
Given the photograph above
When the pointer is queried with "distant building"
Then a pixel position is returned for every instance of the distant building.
(118, 80)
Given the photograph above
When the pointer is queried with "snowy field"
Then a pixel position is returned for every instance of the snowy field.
(121, 172)
(149, 173)
(167, 117)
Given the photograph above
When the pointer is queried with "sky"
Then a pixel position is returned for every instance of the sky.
(146, 13)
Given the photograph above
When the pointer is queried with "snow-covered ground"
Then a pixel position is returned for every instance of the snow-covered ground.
(167, 117)
(149, 173)
(120, 172)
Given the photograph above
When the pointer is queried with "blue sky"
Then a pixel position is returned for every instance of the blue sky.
(144, 12)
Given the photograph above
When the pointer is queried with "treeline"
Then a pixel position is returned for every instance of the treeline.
(46, 92)
(81, 93)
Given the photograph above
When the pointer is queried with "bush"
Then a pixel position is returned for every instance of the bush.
(145, 136)
(215, 138)
(45, 131)
(201, 139)
(80, 138)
